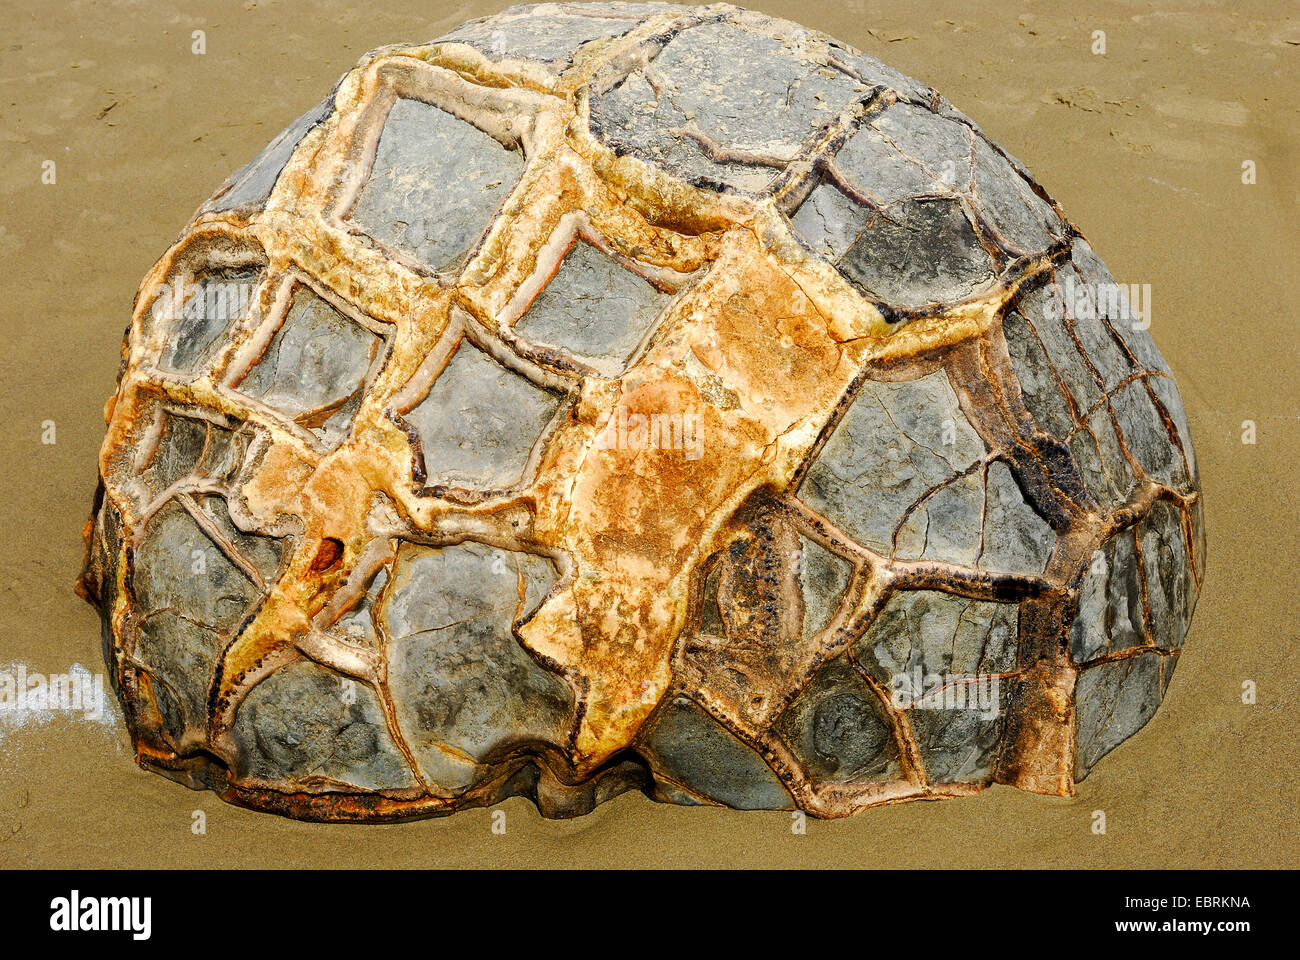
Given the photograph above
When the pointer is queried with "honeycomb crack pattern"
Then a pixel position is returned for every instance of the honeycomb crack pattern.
(633, 556)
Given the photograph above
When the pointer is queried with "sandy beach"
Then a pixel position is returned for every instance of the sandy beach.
(1143, 146)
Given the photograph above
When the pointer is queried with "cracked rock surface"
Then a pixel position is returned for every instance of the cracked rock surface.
(614, 397)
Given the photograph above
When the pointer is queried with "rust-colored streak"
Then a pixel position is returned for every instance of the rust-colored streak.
(330, 553)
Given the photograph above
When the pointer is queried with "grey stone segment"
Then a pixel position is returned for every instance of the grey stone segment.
(837, 728)
(885, 453)
(549, 35)
(1093, 335)
(830, 222)
(252, 185)
(913, 253)
(671, 793)
(926, 633)
(1015, 538)
(908, 151)
(960, 744)
(941, 146)
(209, 313)
(464, 690)
(919, 648)
(1026, 220)
(170, 708)
(177, 454)
(947, 524)
(479, 422)
(1127, 619)
(1043, 309)
(435, 184)
(181, 657)
(305, 721)
(988, 526)
(1110, 618)
(1100, 459)
(634, 118)
(875, 168)
(594, 308)
(1089, 636)
(1043, 394)
(1171, 588)
(760, 97)
(1147, 436)
(823, 578)
(1167, 392)
(178, 568)
(1112, 701)
(689, 747)
(316, 361)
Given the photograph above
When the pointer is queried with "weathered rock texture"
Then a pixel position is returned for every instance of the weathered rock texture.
(631, 396)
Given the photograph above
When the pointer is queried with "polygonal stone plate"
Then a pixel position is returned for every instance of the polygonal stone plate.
(219, 300)
(479, 422)
(462, 687)
(593, 308)
(889, 450)
(434, 185)
(315, 366)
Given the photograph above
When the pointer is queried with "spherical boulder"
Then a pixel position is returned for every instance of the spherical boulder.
(632, 396)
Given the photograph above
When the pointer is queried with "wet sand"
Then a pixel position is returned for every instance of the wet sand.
(1143, 147)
